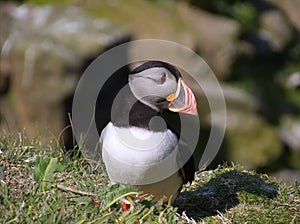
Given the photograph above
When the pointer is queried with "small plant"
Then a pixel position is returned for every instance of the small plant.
(44, 170)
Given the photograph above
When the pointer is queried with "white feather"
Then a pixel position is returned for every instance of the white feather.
(138, 156)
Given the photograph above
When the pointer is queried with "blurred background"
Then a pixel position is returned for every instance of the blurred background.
(253, 47)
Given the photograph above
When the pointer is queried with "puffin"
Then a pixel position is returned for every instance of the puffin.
(139, 147)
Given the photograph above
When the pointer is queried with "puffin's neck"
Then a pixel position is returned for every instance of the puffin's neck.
(141, 114)
(130, 112)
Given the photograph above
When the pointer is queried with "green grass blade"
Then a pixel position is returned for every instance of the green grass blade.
(44, 171)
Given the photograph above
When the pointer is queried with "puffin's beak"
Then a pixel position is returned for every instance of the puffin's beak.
(183, 100)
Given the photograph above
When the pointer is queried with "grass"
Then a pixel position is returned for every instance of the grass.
(39, 183)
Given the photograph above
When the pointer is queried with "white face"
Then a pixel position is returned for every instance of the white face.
(157, 81)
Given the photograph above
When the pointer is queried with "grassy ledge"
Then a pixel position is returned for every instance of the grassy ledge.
(40, 184)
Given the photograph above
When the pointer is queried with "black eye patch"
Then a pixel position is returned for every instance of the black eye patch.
(162, 79)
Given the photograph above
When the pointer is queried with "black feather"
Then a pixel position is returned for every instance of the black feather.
(153, 64)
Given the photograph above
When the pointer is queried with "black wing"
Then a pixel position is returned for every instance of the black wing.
(186, 160)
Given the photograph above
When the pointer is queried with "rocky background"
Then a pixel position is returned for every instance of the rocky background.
(253, 47)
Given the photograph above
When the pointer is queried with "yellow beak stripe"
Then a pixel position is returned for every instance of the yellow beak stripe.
(171, 97)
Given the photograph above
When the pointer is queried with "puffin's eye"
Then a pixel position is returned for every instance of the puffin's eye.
(162, 79)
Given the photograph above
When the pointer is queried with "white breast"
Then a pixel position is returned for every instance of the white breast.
(137, 156)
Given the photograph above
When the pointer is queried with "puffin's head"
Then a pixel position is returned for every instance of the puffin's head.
(160, 86)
